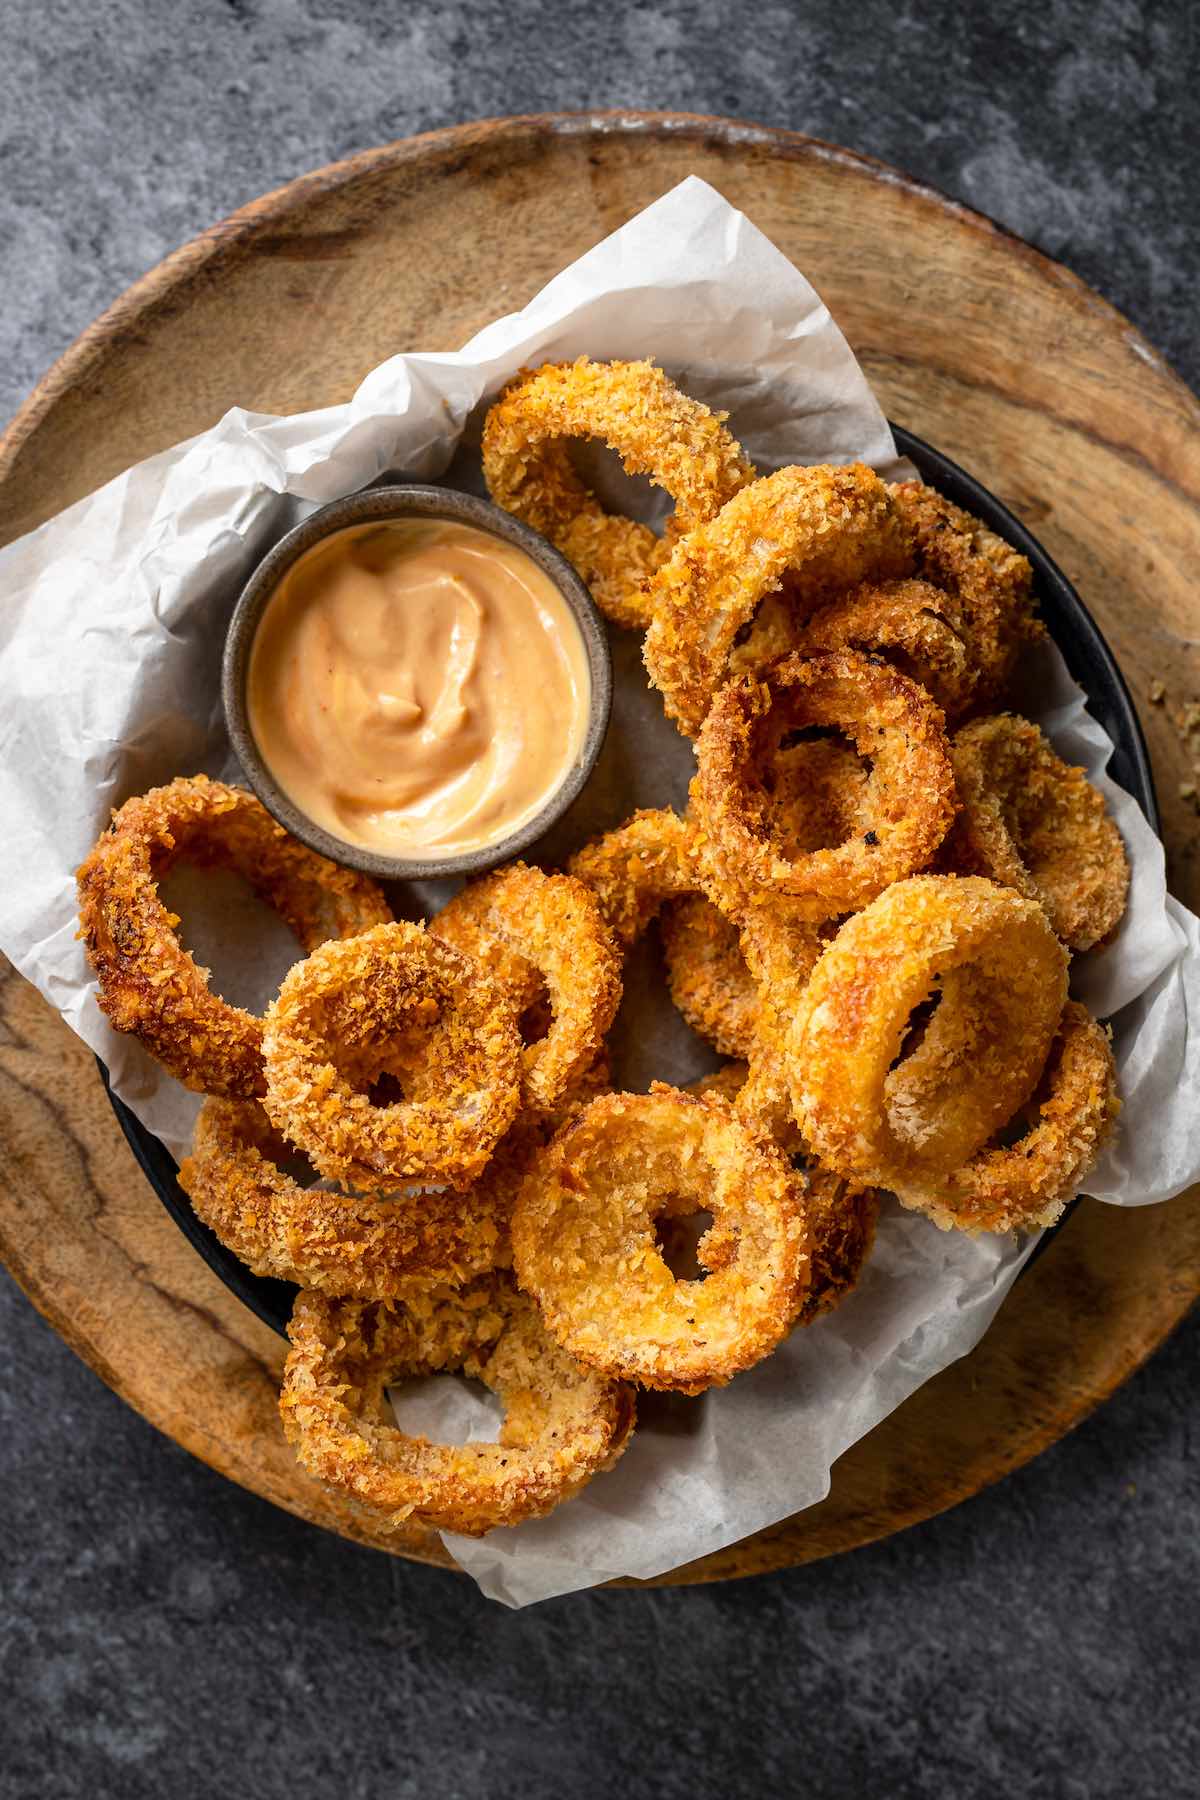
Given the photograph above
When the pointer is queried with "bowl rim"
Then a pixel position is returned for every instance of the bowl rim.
(398, 500)
(1090, 661)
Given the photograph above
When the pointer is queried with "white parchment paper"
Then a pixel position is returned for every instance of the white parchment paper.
(112, 619)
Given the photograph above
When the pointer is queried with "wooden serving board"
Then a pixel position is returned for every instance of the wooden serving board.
(973, 339)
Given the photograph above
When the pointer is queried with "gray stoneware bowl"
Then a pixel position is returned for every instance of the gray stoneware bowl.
(405, 502)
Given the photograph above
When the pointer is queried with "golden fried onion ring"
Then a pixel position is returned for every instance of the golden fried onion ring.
(655, 430)
(912, 625)
(707, 974)
(1027, 1184)
(149, 984)
(637, 867)
(551, 925)
(1034, 823)
(904, 810)
(991, 582)
(584, 1240)
(343, 1015)
(1002, 975)
(373, 1247)
(562, 1425)
(824, 528)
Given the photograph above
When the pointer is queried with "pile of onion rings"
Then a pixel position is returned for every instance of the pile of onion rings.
(874, 917)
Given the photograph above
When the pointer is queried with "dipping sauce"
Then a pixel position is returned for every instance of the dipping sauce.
(417, 686)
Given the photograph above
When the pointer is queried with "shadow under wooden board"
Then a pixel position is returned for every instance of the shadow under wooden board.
(973, 340)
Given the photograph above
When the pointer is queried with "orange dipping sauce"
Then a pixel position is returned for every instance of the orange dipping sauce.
(418, 687)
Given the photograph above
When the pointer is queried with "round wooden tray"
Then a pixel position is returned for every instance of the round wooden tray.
(972, 339)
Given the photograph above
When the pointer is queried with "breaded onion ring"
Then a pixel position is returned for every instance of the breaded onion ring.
(913, 625)
(344, 1014)
(707, 974)
(905, 809)
(656, 430)
(824, 528)
(562, 1424)
(1002, 975)
(635, 868)
(373, 1247)
(991, 582)
(584, 1240)
(1023, 1185)
(842, 1215)
(553, 925)
(1034, 823)
(149, 984)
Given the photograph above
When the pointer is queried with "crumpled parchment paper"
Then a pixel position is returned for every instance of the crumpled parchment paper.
(112, 619)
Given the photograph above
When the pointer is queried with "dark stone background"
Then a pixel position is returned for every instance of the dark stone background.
(163, 1632)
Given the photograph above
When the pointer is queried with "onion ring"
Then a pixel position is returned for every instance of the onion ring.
(841, 1214)
(1002, 975)
(562, 1423)
(991, 582)
(635, 868)
(824, 528)
(1032, 822)
(655, 430)
(372, 1247)
(553, 925)
(149, 984)
(358, 1000)
(906, 806)
(707, 974)
(1027, 1184)
(911, 624)
(584, 1240)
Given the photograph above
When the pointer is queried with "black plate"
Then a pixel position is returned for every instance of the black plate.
(1090, 662)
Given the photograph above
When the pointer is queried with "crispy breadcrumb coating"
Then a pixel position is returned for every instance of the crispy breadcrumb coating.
(1002, 977)
(657, 431)
(1021, 1186)
(584, 1241)
(906, 805)
(562, 1423)
(149, 984)
(1034, 823)
(340, 1017)
(553, 926)
(824, 528)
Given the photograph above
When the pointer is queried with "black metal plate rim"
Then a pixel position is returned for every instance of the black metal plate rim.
(1091, 663)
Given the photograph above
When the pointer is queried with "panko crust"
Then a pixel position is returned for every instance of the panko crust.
(1035, 823)
(823, 528)
(562, 1425)
(552, 926)
(148, 983)
(346, 1013)
(991, 582)
(904, 811)
(841, 1215)
(655, 429)
(1023, 1186)
(910, 623)
(634, 869)
(584, 1241)
(1002, 975)
(707, 974)
(373, 1247)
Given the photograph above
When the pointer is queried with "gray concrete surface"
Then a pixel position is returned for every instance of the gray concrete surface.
(163, 1632)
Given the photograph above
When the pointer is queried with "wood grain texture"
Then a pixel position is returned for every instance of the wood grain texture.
(974, 340)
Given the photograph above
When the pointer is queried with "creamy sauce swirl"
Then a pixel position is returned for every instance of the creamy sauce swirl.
(418, 686)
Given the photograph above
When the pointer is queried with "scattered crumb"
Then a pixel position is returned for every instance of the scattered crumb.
(1157, 693)
(1187, 791)
(1130, 1489)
